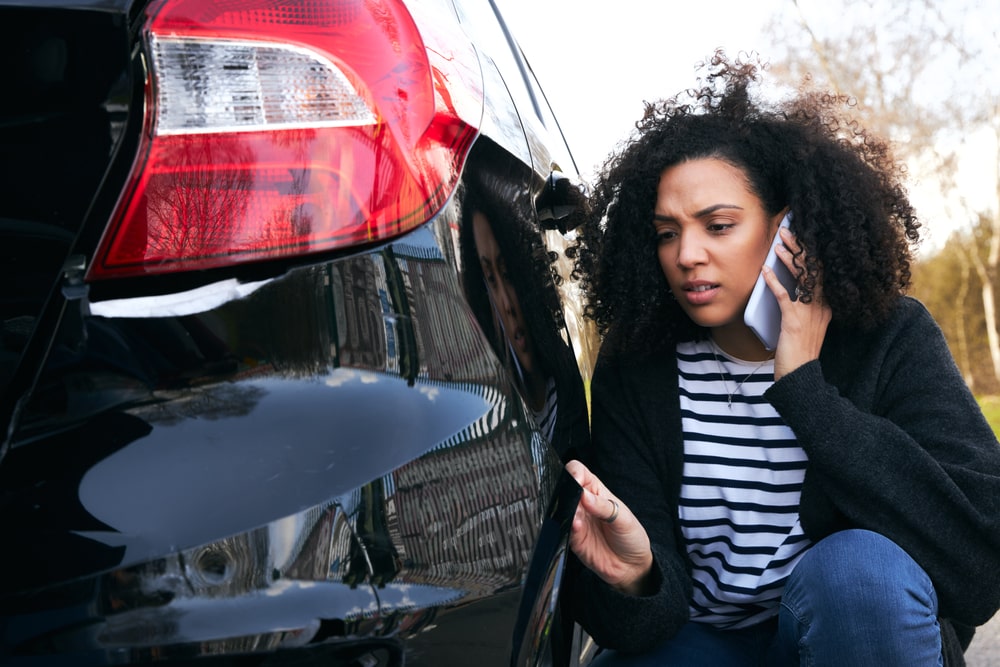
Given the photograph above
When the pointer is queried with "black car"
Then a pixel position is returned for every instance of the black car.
(290, 360)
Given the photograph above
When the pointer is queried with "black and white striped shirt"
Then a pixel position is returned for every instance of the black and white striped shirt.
(545, 417)
(739, 503)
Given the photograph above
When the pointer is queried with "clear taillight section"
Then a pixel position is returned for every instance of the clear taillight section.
(214, 86)
(281, 128)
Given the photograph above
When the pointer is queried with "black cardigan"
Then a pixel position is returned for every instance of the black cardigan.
(896, 444)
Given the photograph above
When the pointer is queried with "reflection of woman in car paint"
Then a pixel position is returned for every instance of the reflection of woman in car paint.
(539, 387)
(511, 288)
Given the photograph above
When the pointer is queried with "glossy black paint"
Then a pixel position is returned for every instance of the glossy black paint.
(324, 461)
(347, 492)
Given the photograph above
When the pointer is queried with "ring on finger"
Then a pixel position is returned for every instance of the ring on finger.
(614, 512)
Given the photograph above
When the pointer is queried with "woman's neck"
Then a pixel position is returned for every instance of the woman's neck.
(535, 386)
(740, 342)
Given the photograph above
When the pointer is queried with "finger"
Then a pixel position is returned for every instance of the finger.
(585, 478)
(596, 500)
(790, 252)
(779, 291)
(789, 240)
(788, 255)
(577, 471)
(605, 508)
(615, 509)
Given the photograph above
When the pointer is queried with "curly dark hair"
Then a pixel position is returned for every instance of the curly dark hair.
(487, 188)
(529, 263)
(851, 213)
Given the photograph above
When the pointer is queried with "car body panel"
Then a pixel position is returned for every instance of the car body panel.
(325, 459)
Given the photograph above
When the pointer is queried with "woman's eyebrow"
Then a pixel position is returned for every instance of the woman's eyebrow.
(708, 210)
(716, 207)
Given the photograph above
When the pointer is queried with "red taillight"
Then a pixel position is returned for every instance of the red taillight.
(276, 129)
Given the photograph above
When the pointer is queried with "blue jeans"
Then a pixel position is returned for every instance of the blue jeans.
(855, 598)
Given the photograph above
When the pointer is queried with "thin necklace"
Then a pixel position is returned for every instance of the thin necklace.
(722, 375)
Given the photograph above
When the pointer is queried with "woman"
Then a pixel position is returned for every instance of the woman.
(836, 501)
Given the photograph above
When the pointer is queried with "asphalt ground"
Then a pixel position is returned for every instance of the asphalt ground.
(985, 648)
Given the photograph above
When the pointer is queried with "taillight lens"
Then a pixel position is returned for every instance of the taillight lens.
(276, 129)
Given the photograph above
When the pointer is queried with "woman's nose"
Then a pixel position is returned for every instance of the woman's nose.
(503, 296)
(691, 250)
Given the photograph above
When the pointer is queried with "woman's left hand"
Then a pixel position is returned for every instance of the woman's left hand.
(803, 325)
(607, 537)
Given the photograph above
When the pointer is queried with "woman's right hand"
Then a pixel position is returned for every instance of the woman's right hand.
(803, 325)
(615, 546)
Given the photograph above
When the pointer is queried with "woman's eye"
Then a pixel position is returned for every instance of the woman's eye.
(665, 235)
(719, 227)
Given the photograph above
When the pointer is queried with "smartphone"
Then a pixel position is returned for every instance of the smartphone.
(762, 313)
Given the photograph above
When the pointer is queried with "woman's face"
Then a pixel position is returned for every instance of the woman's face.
(501, 292)
(713, 236)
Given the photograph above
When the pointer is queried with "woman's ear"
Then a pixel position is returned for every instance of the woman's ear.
(776, 220)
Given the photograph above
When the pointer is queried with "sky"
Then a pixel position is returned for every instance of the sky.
(599, 60)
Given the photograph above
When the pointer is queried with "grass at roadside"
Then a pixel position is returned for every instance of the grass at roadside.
(991, 409)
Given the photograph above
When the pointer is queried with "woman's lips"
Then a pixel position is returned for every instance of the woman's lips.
(519, 339)
(700, 293)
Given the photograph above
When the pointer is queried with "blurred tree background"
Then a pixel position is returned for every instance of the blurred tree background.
(925, 74)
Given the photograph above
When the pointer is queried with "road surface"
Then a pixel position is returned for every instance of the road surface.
(985, 648)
